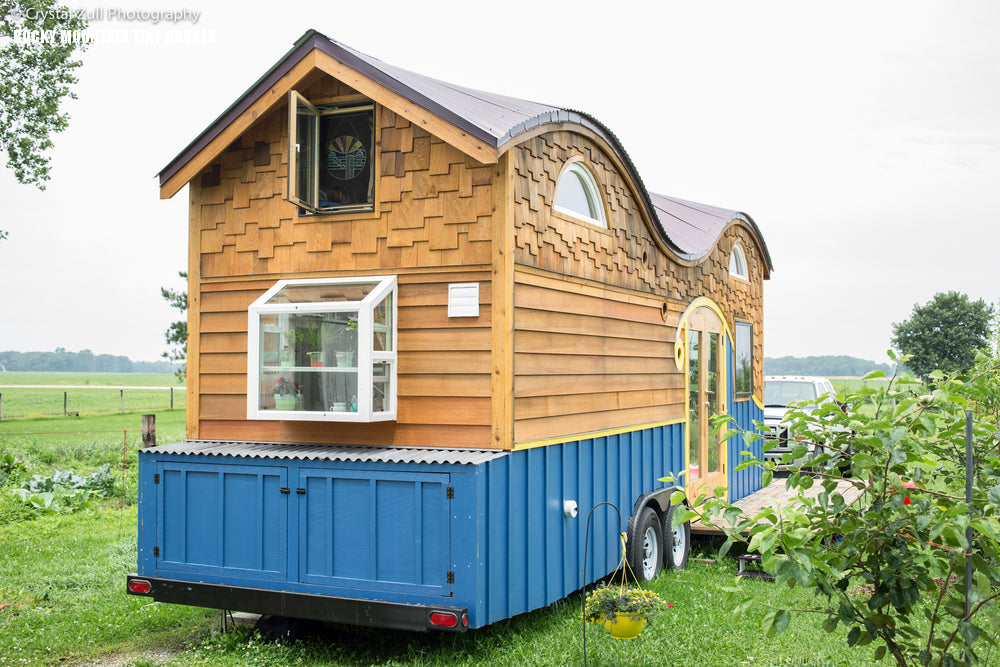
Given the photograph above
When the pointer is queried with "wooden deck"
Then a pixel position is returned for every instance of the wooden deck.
(774, 495)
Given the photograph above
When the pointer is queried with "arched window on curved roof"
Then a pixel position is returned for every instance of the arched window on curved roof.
(738, 263)
(579, 195)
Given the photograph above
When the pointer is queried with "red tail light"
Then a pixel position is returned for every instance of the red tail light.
(444, 618)
(139, 586)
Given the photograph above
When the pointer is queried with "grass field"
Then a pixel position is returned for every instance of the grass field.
(62, 598)
(50, 394)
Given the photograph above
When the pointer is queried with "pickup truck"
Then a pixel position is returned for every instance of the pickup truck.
(779, 392)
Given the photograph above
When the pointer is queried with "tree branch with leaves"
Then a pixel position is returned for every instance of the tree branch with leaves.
(38, 48)
(177, 333)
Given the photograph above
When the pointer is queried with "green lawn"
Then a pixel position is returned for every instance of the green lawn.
(62, 596)
(95, 379)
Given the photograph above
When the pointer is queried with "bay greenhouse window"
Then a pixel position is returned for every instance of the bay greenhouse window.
(323, 350)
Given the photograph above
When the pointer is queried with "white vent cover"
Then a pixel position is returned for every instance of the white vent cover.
(463, 300)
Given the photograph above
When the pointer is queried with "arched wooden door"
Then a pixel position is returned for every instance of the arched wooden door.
(705, 346)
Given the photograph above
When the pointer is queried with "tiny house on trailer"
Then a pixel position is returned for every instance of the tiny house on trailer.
(429, 329)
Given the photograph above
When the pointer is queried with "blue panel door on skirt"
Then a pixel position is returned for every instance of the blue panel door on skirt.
(375, 530)
(222, 520)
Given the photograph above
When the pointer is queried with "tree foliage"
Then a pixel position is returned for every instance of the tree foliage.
(177, 333)
(944, 334)
(827, 365)
(889, 566)
(37, 58)
(84, 361)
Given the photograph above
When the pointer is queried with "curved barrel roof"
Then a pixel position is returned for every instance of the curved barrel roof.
(687, 228)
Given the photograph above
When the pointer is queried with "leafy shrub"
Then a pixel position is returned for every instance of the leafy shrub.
(889, 567)
(10, 468)
(64, 490)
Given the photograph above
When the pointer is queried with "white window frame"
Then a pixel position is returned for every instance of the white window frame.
(367, 356)
(591, 189)
(738, 263)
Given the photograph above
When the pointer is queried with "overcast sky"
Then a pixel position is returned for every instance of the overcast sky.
(862, 137)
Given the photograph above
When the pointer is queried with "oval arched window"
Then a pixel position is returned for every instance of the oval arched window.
(579, 195)
(738, 263)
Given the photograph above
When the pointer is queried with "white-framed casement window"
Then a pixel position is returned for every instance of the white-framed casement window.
(331, 165)
(323, 349)
(738, 263)
(578, 195)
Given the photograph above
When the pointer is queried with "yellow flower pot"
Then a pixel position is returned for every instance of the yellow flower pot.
(624, 626)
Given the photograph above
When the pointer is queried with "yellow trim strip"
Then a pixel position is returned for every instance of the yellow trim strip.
(757, 401)
(594, 434)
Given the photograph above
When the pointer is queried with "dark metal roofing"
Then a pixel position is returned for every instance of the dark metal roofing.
(688, 229)
(695, 227)
(368, 454)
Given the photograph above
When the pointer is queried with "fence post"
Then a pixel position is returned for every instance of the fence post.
(123, 399)
(148, 431)
(65, 402)
(171, 398)
(1, 406)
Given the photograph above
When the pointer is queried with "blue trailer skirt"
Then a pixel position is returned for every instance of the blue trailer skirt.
(484, 531)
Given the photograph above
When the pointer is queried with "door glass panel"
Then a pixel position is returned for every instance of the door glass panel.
(694, 414)
(712, 398)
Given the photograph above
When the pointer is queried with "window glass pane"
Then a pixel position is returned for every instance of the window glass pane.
(381, 376)
(345, 171)
(323, 293)
(694, 425)
(383, 325)
(738, 262)
(309, 361)
(744, 360)
(305, 158)
(572, 195)
(712, 396)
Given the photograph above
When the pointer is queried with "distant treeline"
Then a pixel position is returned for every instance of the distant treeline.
(830, 366)
(83, 361)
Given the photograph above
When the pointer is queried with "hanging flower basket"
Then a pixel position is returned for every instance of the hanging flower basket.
(624, 626)
(623, 611)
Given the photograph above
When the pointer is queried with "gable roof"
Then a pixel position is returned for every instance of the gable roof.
(493, 123)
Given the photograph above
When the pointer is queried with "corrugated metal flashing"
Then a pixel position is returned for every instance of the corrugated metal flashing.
(368, 454)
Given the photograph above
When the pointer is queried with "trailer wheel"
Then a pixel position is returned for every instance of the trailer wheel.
(676, 540)
(645, 546)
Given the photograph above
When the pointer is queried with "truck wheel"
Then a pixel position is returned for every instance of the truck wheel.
(676, 540)
(645, 546)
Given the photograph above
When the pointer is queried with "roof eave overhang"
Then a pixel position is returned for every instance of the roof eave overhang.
(315, 51)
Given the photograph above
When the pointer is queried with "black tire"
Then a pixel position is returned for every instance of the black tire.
(676, 541)
(644, 549)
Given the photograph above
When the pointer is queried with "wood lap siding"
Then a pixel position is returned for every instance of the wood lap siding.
(430, 227)
(588, 359)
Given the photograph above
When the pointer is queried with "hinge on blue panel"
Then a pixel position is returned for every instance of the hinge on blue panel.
(451, 577)
(156, 478)
(300, 491)
(449, 493)
(156, 552)
(285, 490)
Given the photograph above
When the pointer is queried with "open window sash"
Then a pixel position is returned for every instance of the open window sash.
(303, 139)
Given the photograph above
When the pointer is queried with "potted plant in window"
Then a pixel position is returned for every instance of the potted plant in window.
(286, 394)
(623, 611)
